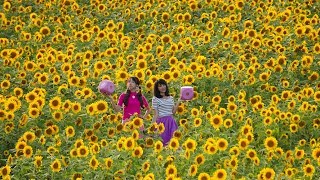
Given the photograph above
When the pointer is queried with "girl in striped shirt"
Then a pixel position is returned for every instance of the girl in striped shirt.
(164, 109)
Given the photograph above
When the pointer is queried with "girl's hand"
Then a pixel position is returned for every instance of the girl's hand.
(107, 95)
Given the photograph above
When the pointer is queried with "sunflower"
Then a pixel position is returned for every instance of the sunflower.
(167, 75)
(111, 132)
(316, 96)
(78, 143)
(135, 134)
(190, 144)
(122, 75)
(316, 48)
(251, 154)
(66, 106)
(299, 153)
(158, 146)
(3, 114)
(270, 143)
(145, 166)
(165, 16)
(73, 153)
(140, 74)
(120, 127)
(94, 139)
(5, 84)
(76, 176)
(18, 92)
(216, 121)
(49, 131)
(267, 121)
(83, 151)
(243, 143)
(293, 128)
(55, 103)
(74, 81)
(76, 107)
(94, 163)
(199, 159)
(70, 132)
(232, 107)
(108, 162)
(161, 128)
(137, 152)
(195, 112)
(204, 176)
(56, 165)
(57, 115)
(171, 170)
(91, 109)
(289, 172)
(232, 163)
(267, 173)
(220, 174)
(216, 99)
(29, 136)
(101, 106)
(314, 76)
(228, 123)
(34, 113)
(85, 37)
(222, 144)
(197, 122)
(37, 161)
(193, 170)
(129, 143)
(88, 133)
(137, 122)
(45, 31)
(99, 66)
(174, 144)
(27, 151)
(173, 61)
(10, 115)
(5, 171)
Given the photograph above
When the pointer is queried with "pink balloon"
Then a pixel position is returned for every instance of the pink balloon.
(186, 93)
(106, 87)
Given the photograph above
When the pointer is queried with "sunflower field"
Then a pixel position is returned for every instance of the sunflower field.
(254, 66)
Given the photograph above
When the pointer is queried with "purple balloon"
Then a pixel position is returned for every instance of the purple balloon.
(186, 93)
(106, 87)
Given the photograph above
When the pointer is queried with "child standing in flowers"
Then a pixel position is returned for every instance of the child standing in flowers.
(131, 101)
(164, 109)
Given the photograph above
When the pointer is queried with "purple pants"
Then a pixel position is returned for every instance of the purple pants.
(170, 126)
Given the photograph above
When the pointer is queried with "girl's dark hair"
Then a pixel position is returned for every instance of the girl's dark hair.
(156, 91)
(127, 95)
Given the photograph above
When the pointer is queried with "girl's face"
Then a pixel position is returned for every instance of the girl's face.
(131, 85)
(162, 88)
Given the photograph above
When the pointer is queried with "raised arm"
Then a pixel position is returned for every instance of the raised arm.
(175, 107)
(115, 106)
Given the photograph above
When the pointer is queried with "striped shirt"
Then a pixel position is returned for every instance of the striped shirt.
(163, 106)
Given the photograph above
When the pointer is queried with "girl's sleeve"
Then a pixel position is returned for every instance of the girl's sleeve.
(155, 103)
(120, 100)
(145, 102)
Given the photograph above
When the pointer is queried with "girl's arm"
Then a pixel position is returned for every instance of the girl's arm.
(175, 107)
(155, 115)
(116, 107)
(146, 107)
(146, 113)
